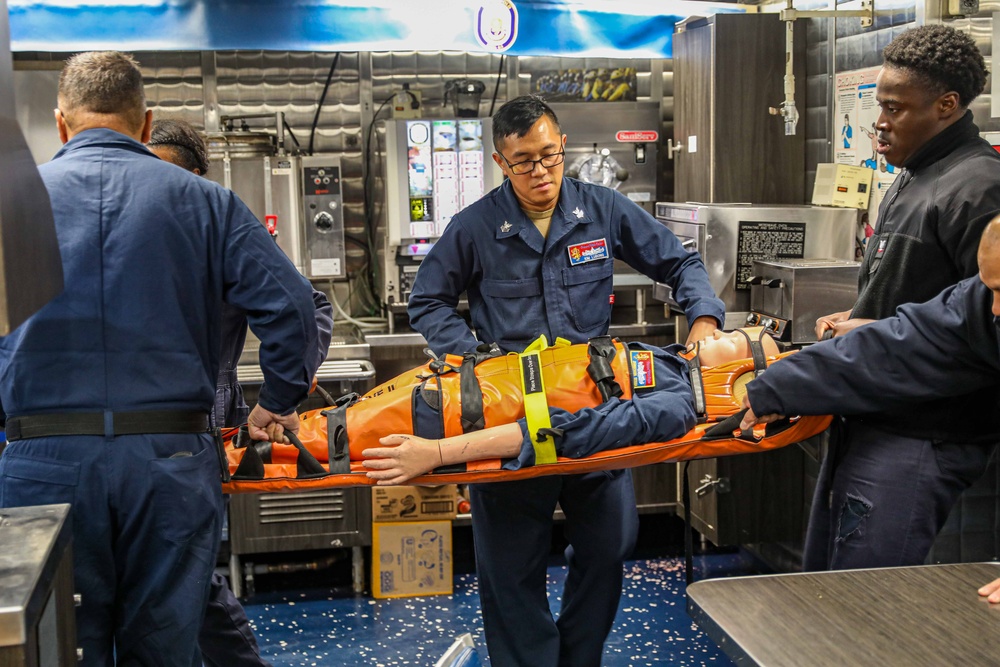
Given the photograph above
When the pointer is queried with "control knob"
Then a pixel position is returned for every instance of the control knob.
(323, 221)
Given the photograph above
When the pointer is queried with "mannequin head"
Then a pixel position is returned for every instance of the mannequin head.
(724, 347)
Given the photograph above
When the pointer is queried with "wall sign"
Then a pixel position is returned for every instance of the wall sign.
(496, 25)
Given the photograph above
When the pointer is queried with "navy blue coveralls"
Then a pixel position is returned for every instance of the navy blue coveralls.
(226, 639)
(945, 347)
(519, 286)
(150, 253)
(661, 408)
(925, 240)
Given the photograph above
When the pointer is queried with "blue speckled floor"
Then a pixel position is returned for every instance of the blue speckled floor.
(307, 628)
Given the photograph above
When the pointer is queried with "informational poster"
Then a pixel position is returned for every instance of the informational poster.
(445, 171)
(855, 137)
(766, 241)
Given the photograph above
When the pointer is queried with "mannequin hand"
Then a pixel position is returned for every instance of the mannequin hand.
(401, 459)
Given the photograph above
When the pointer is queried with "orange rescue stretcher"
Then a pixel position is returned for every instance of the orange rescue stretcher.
(479, 391)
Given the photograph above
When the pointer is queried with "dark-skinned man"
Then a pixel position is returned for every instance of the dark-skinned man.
(925, 240)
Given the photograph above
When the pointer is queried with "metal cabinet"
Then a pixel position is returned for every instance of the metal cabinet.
(323, 519)
(656, 488)
(747, 498)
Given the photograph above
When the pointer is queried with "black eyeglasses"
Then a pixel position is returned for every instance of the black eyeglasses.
(528, 166)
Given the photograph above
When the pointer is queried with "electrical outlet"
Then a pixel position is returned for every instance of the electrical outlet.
(962, 7)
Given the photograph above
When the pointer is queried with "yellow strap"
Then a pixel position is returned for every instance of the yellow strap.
(541, 343)
(536, 405)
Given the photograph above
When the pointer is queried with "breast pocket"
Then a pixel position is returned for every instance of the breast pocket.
(589, 288)
(514, 310)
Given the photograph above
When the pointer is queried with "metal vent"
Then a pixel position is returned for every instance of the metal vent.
(325, 504)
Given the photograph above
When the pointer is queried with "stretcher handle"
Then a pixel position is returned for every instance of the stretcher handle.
(306, 464)
(725, 428)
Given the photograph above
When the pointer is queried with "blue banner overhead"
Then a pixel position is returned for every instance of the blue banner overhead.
(591, 28)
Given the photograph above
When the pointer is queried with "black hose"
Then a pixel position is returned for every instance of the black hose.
(496, 88)
(322, 98)
(288, 128)
(370, 203)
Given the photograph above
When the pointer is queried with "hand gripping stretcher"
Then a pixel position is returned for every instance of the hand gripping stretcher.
(455, 395)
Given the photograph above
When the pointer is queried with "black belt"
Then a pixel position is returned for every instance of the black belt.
(108, 424)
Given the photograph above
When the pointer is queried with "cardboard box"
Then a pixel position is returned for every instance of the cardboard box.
(414, 503)
(411, 558)
(842, 185)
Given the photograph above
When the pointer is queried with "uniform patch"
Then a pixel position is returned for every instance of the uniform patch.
(588, 251)
(642, 369)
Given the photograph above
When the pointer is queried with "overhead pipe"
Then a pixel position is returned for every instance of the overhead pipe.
(787, 110)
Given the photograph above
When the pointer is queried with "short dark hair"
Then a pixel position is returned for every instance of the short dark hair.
(184, 140)
(943, 58)
(518, 115)
(103, 82)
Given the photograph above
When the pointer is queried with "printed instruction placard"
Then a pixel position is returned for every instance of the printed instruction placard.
(855, 137)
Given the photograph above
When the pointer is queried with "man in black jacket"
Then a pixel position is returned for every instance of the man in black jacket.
(947, 346)
(925, 240)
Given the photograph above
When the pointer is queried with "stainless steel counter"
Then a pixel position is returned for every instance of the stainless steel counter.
(37, 624)
(926, 615)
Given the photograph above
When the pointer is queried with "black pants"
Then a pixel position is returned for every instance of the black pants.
(881, 498)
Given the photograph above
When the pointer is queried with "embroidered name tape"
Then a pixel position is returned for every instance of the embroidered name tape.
(588, 251)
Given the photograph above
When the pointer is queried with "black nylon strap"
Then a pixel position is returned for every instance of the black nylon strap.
(338, 453)
(251, 466)
(471, 394)
(602, 351)
(724, 429)
(306, 465)
(98, 423)
(697, 388)
(759, 358)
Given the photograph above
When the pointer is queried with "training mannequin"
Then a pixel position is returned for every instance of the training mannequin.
(604, 404)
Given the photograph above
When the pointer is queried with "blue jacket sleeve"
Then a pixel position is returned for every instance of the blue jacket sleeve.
(261, 280)
(660, 413)
(648, 246)
(324, 328)
(440, 282)
(947, 346)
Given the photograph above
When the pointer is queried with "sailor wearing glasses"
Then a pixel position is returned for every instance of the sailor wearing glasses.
(536, 256)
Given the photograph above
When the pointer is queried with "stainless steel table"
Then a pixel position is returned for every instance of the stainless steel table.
(927, 615)
(37, 612)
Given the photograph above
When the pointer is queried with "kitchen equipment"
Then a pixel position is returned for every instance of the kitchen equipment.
(464, 95)
(730, 237)
(787, 296)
